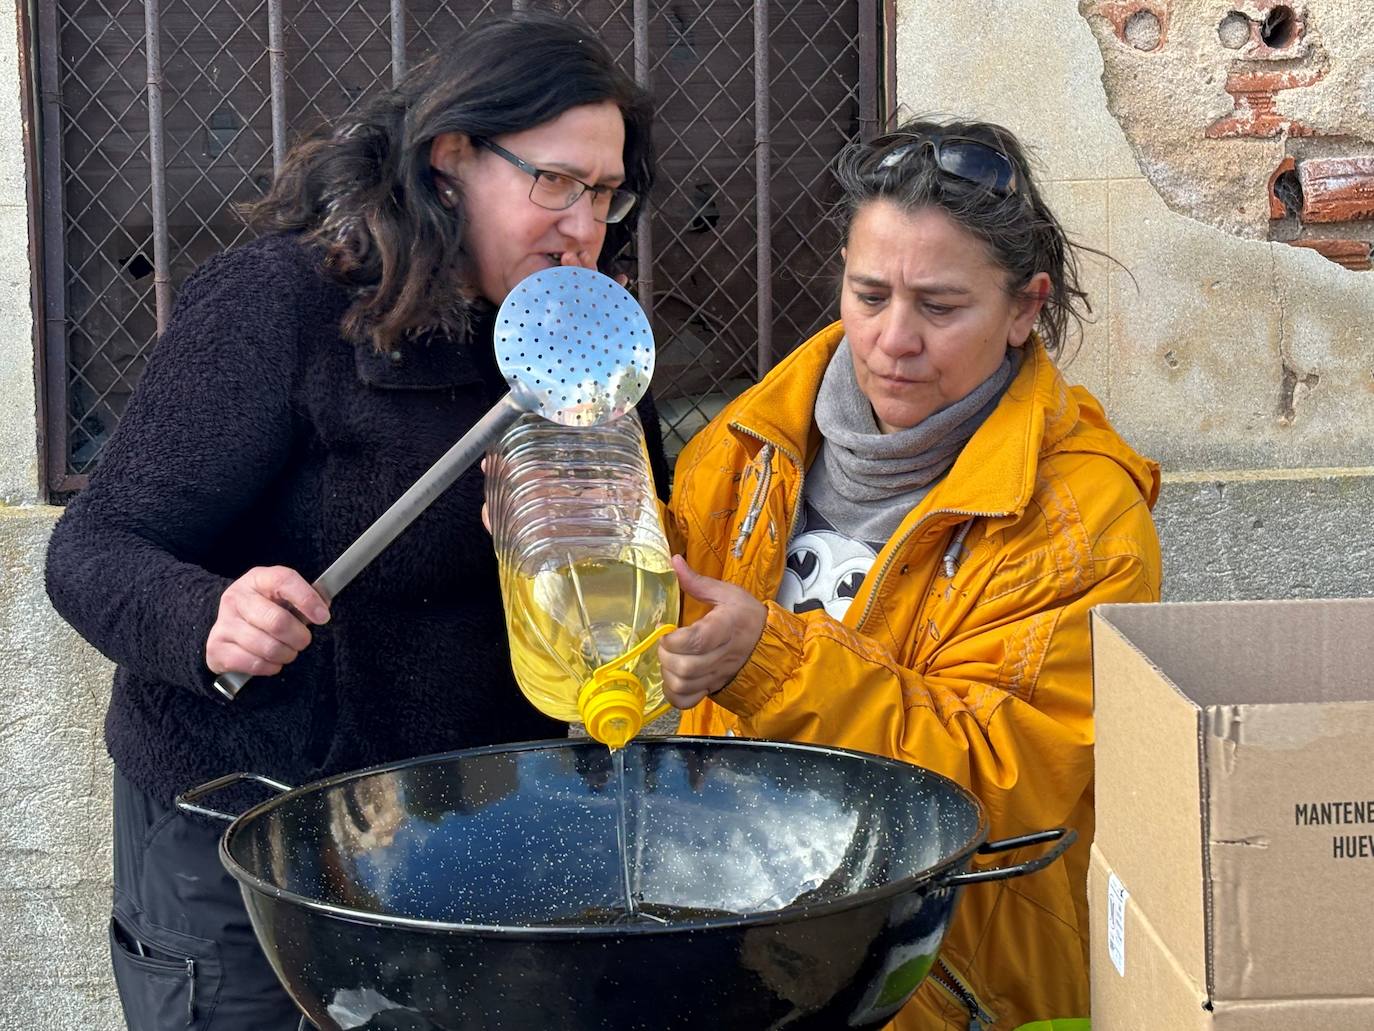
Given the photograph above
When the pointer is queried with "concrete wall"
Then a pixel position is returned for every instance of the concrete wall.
(55, 787)
(1245, 365)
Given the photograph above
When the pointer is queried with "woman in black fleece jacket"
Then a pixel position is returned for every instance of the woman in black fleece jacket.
(304, 382)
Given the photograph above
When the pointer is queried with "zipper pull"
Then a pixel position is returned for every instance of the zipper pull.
(945, 977)
(191, 992)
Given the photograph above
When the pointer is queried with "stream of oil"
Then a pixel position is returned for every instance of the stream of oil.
(622, 837)
(633, 910)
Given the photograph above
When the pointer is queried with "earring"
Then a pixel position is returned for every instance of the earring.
(450, 194)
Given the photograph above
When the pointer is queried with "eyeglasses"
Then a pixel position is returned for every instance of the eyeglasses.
(558, 192)
(970, 160)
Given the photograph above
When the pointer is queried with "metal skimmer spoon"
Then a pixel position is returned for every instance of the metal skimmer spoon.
(575, 347)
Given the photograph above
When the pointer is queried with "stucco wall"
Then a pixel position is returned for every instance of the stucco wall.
(1245, 366)
(54, 840)
(54, 787)
(18, 451)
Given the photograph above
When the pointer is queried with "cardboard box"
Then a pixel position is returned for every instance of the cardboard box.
(1235, 806)
(1152, 992)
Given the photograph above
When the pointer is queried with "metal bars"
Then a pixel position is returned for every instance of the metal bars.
(763, 179)
(398, 41)
(644, 232)
(276, 49)
(735, 255)
(162, 279)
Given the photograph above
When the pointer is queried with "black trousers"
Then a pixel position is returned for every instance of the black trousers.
(183, 950)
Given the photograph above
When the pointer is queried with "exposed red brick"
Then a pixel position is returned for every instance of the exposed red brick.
(1276, 208)
(1255, 113)
(1353, 254)
(1337, 189)
(1119, 12)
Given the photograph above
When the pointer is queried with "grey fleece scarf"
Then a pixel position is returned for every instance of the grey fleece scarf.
(864, 481)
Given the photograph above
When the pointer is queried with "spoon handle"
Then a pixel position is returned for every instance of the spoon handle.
(403, 511)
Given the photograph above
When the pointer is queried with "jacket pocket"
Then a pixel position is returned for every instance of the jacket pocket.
(162, 988)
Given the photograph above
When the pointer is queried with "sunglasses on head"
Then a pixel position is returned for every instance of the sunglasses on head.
(970, 160)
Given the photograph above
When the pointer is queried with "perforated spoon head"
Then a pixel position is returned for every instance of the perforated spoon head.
(574, 345)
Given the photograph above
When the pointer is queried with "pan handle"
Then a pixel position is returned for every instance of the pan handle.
(1062, 836)
(187, 799)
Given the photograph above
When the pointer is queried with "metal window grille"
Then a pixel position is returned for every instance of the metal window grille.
(156, 116)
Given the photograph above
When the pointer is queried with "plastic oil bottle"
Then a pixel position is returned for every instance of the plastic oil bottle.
(585, 574)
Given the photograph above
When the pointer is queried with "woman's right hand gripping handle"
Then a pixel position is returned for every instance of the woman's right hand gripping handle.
(263, 622)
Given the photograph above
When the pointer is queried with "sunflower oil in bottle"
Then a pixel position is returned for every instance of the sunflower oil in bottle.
(585, 574)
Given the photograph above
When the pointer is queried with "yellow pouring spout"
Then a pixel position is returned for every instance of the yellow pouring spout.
(612, 707)
(611, 702)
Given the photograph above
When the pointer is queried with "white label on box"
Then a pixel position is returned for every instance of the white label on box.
(1116, 923)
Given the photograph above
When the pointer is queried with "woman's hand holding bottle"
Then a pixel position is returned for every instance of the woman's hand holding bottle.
(700, 659)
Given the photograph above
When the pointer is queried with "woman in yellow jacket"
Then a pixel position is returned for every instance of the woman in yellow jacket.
(892, 543)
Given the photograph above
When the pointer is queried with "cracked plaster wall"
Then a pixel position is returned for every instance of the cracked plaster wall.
(1245, 366)
(1254, 116)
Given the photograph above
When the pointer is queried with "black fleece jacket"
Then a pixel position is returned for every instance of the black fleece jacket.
(259, 436)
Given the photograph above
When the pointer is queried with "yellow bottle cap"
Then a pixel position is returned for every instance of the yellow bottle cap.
(611, 702)
(611, 705)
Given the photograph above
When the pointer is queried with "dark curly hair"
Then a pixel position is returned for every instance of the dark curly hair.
(1022, 234)
(363, 190)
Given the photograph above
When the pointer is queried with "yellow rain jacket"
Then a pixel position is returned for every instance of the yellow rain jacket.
(965, 651)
